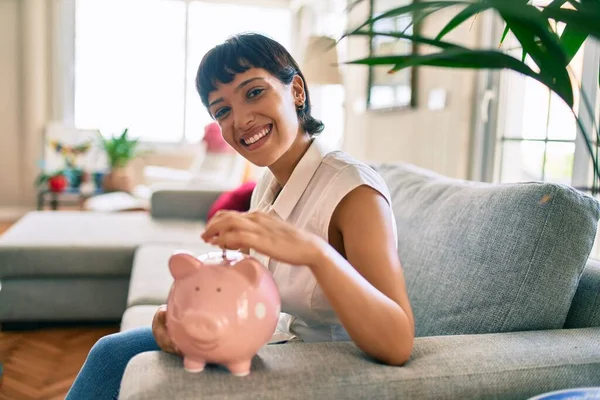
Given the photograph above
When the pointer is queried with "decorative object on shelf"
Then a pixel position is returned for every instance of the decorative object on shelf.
(549, 33)
(66, 147)
(57, 182)
(120, 150)
(70, 152)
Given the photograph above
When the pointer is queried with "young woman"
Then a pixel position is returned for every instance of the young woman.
(320, 220)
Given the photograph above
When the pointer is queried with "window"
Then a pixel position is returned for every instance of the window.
(538, 137)
(136, 61)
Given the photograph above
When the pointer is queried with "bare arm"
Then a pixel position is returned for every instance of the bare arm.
(368, 290)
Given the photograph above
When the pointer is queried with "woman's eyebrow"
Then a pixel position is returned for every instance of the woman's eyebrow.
(246, 82)
(237, 89)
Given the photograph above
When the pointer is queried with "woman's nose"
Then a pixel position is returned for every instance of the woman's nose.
(243, 119)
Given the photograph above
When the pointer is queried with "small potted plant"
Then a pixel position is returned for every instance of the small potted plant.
(120, 150)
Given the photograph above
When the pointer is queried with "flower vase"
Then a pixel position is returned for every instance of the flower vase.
(119, 179)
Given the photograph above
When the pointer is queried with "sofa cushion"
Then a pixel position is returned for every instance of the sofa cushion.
(494, 366)
(481, 257)
(585, 308)
(138, 316)
(237, 199)
(85, 243)
(150, 276)
(63, 299)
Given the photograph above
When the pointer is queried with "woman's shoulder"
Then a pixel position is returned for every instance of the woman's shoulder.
(338, 175)
(344, 169)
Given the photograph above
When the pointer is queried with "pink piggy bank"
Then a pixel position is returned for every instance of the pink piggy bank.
(220, 310)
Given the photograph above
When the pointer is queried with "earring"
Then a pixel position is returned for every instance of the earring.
(300, 107)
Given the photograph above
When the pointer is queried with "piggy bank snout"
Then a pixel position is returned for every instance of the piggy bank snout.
(205, 327)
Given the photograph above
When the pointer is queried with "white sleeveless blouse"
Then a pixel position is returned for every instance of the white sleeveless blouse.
(319, 182)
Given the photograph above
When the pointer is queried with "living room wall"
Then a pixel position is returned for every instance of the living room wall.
(437, 140)
(9, 103)
(24, 42)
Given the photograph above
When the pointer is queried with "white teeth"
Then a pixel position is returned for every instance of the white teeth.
(257, 137)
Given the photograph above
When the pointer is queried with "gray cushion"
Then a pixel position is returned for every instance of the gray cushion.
(138, 316)
(493, 366)
(63, 299)
(188, 203)
(484, 258)
(150, 276)
(585, 309)
(89, 243)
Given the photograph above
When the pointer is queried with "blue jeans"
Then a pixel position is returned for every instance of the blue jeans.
(101, 374)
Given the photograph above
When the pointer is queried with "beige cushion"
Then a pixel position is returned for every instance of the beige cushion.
(76, 229)
(138, 316)
(85, 243)
(150, 276)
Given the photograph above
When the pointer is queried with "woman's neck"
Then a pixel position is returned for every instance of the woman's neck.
(282, 169)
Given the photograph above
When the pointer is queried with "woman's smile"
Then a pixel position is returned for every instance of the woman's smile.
(256, 137)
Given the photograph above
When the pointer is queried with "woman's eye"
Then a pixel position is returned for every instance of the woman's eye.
(255, 92)
(221, 112)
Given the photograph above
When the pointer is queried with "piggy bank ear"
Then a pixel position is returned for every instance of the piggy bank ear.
(183, 264)
(250, 270)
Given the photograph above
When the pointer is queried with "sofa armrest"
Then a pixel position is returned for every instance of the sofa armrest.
(585, 307)
(182, 203)
(507, 365)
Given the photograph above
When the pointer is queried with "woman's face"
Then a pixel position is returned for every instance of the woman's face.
(257, 114)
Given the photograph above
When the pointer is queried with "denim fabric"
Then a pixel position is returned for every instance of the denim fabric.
(101, 374)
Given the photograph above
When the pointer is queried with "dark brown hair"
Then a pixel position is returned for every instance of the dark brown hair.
(244, 51)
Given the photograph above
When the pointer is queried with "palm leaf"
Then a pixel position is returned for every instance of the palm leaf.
(413, 38)
(571, 40)
(462, 16)
(425, 6)
(506, 30)
(460, 58)
(538, 40)
(586, 19)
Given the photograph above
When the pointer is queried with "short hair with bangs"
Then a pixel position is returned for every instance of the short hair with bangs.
(241, 52)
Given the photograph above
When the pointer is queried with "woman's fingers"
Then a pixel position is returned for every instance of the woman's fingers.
(226, 223)
(237, 239)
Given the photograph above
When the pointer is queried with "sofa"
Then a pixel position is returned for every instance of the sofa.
(505, 295)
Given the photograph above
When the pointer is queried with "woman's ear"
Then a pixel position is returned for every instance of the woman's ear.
(298, 91)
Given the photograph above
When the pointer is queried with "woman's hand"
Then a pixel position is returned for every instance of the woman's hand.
(159, 330)
(266, 234)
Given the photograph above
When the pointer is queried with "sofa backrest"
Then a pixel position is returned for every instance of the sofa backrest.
(585, 307)
(482, 257)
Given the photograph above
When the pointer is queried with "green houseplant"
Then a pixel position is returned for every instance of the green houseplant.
(533, 26)
(120, 150)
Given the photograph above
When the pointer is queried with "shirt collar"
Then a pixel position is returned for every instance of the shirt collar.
(294, 188)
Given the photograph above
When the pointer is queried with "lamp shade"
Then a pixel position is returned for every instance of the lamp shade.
(320, 61)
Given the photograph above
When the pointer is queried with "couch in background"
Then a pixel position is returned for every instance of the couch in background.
(505, 297)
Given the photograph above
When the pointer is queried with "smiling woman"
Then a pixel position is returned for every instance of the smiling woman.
(320, 220)
(256, 91)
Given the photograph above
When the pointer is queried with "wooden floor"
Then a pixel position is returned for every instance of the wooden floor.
(42, 364)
